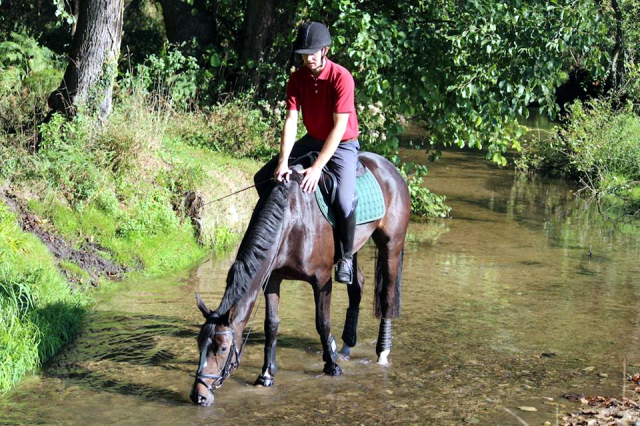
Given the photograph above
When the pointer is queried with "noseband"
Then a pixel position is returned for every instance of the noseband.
(228, 368)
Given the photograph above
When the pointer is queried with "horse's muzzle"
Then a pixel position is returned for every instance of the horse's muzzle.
(201, 395)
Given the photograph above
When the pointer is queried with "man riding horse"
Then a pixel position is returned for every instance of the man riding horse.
(324, 92)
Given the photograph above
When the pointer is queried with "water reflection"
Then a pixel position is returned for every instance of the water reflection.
(524, 295)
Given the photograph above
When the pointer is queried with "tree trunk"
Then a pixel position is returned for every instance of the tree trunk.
(616, 70)
(263, 19)
(93, 60)
(184, 22)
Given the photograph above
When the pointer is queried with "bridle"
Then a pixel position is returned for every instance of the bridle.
(228, 368)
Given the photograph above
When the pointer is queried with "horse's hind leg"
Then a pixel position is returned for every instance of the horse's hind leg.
(271, 323)
(323, 326)
(350, 332)
(388, 290)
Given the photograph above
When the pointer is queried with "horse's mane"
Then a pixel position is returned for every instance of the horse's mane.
(262, 233)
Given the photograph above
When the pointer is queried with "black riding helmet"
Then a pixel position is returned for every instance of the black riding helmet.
(312, 36)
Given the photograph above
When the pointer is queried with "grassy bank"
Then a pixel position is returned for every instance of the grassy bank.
(39, 313)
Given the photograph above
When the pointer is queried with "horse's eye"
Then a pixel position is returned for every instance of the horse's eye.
(223, 349)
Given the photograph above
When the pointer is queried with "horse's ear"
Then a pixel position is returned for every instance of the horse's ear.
(206, 312)
(224, 318)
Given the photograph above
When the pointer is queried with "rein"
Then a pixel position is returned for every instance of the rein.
(237, 192)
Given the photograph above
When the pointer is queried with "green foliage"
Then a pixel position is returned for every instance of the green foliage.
(28, 73)
(469, 69)
(626, 77)
(600, 147)
(151, 215)
(38, 312)
(424, 203)
(170, 76)
(68, 162)
(238, 127)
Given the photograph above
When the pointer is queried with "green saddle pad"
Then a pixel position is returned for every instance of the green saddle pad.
(370, 200)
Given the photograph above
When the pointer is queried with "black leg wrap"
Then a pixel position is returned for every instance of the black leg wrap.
(384, 336)
(330, 354)
(349, 334)
(270, 359)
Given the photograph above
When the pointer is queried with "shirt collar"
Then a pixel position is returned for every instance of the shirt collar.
(324, 74)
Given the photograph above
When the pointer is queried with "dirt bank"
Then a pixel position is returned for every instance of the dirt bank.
(90, 257)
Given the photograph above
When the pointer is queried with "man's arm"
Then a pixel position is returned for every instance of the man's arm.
(286, 145)
(312, 174)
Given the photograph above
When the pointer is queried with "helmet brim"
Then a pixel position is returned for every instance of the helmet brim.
(308, 51)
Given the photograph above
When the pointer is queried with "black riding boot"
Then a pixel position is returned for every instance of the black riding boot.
(346, 230)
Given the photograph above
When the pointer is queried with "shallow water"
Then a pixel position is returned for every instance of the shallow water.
(502, 308)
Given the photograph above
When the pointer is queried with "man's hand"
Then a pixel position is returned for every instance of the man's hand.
(311, 178)
(282, 172)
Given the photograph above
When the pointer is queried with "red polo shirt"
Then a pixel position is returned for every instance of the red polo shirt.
(319, 97)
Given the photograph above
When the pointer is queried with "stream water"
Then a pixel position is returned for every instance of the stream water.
(524, 295)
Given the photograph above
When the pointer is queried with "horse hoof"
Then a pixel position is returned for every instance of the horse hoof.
(265, 381)
(383, 358)
(345, 352)
(333, 370)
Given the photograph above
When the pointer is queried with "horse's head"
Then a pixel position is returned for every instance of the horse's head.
(219, 354)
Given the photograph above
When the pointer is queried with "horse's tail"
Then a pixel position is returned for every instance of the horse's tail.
(387, 301)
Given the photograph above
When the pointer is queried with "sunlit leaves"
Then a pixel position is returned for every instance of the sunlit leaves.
(467, 69)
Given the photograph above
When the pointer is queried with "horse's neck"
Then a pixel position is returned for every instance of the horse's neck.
(244, 282)
(257, 252)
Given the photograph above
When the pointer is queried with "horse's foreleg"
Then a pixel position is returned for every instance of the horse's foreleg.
(350, 332)
(323, 326)
(271, 323)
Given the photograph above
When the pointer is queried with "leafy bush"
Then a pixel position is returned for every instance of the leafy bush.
(170, 76)
(600, 148)
(424, 203)
(28, 73)
(238, 127)
(68, 160)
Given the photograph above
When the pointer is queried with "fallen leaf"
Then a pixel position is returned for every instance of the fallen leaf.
(525, 408)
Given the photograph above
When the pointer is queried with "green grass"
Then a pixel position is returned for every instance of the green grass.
(38, 312)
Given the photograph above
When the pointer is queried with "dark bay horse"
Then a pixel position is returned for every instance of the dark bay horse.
(289, 238)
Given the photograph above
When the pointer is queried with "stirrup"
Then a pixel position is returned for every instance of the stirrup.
(344, 271)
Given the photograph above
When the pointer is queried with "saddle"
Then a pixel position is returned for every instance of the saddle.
(368, 199)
